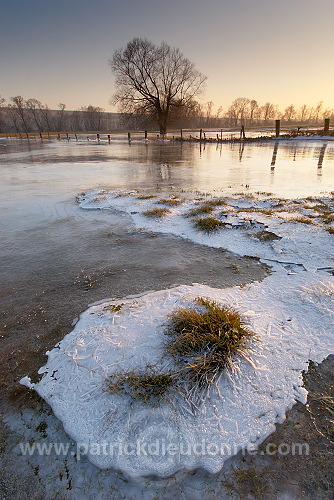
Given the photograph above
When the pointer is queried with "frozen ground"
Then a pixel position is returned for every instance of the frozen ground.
(291, 311)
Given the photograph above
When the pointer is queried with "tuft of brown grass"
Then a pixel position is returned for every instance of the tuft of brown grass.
(330, 230)
(204, 339)
(216, 202)
(208, 224)
(172, 202)
(146, 196)
(202, 209)
(266, 236)
(156, 212)
(302, 220)
(148, 385)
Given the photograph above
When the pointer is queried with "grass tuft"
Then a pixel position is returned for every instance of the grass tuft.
(148, 385)
(172, 202)
(302, 220)
(203, 340)
(202, 209)
(156, 212)
(266, 236)
(208, 224)
(146, 196)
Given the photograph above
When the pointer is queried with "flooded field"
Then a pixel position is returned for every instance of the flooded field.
(57, 258)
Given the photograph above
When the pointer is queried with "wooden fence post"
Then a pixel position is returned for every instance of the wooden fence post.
(109, 138)
(98, 138)
(200, 134)
(326, 126)
(145, 134)
(277, 127)
(181, 135)
(129, 137)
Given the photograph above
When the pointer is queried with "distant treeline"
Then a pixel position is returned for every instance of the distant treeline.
(24, 116)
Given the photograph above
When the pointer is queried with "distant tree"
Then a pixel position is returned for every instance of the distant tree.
(154, 80)
(92, 117)
(239, 110)
(303, 113)
(253, 107)
(60, 113)
(317, 111)
(268, 111)
(34, 107)
(19, 114)
(289, 113)
(46, 117)
(2, 118)
(208, 112)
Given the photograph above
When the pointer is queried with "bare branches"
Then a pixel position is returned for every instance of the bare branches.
(154, 79)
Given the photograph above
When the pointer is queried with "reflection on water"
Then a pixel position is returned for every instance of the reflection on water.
(284, 168)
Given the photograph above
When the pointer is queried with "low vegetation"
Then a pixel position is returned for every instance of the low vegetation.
(146, 196)
(201, 341)
(148, 385)
(204, 339)
(156, 212)
(202, 209)
(208, 224)
(172, 202)
(266, 236)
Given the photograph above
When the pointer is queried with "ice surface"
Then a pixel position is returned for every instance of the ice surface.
(291, 312)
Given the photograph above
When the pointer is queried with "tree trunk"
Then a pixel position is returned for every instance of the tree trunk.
(162, 120)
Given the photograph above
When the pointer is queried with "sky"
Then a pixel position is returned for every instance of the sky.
(279, 51)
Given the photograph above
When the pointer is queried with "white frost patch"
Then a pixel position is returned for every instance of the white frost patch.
(308, 245)
(242, 410)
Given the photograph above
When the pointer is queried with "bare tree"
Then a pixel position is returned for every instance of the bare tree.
(289, 113)
(92, 117)
(45, 113)
(238, 110)
(253, 107)
(19, 113)
(154, 80)
(303, 112)
(2, 118)
(60, 121)
(34, 107)
(268, 111)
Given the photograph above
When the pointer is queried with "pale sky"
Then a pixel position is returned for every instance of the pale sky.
(279, 51)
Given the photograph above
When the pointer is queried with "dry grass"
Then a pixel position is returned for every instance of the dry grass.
(266, 236)
(302, 220)
(156, 212)
(148, 385)
(208, 224)
(264, 211)
(330, 230)
(202, 209)
(203, 340)
(146, 196)
(216, 202)
(172, 202)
